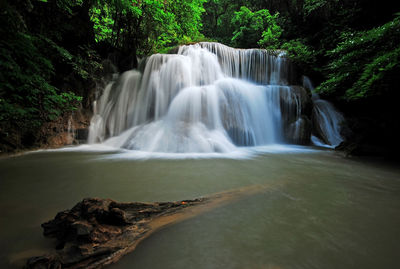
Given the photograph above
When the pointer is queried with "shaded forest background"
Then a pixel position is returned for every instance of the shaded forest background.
(55, 53)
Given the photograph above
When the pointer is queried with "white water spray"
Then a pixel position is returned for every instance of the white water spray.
(208, 98)
(327, 120)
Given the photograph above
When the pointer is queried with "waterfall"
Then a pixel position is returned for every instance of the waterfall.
(256, 65)
(206, 98)
(327, 120)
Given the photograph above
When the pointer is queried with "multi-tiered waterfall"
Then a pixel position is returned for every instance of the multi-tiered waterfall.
(205, 98)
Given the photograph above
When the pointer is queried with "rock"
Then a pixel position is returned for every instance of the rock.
(304, 96)
(299, 132)
(81, 135)
(296, 106)
(294, 103)
(59, 140)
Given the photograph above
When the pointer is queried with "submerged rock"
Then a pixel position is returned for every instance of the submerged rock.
(97, 232)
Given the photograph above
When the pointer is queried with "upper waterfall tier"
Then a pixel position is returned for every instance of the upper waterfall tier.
(206, 98)
(255, 65)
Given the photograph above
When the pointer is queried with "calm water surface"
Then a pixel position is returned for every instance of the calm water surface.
(325, 211)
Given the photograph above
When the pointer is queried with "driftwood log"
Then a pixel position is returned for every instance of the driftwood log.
(97, 232)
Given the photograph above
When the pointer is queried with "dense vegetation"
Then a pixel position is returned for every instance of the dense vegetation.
(51, 53)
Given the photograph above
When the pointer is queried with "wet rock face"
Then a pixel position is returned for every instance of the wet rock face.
(97, 232)
(71, 129)
(297, 106)
(81, 135)
(304, 96)
(299, 132)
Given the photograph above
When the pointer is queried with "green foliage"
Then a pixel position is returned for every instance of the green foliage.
(218, 25)
(28, 94)
(255, 28)
(311, 6)
(102, 23)
(304, 56)
(217, 19)
(270, 37)
(67, 5)
(146, 26)
(378, 77)
(365, 63)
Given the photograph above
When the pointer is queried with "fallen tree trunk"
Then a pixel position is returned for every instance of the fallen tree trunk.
(98, 232)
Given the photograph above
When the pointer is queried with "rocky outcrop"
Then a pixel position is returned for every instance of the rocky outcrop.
(304, 97)
(71, 129)
(98, 232)
(296, 107)
(299, 131)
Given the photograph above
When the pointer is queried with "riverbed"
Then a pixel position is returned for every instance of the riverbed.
(321, 211)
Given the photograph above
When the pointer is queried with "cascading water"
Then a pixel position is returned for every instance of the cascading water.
(327, 120)
(206, 98)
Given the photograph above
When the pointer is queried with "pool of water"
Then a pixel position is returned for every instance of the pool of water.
(324, 211)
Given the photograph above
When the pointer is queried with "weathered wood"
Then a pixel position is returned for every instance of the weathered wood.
(97, 232)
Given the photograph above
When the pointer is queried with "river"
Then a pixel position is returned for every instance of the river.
(321, 211)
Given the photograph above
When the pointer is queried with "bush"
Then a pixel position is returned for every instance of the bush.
(254, 29)
(300, 54)
(365, 63)
(28, 96)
